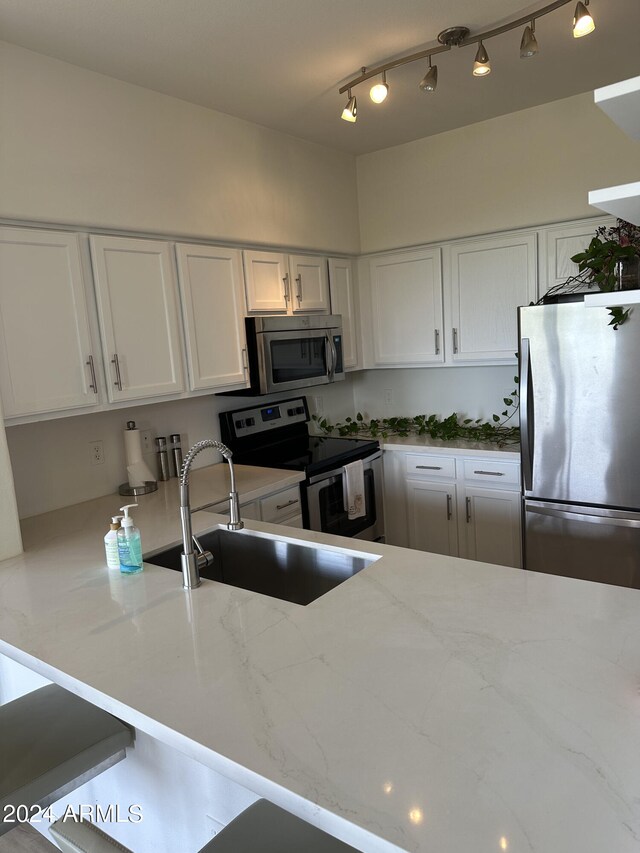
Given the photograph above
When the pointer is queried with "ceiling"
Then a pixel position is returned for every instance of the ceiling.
(280, 63)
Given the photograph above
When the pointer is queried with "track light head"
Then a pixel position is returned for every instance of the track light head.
(350, 112)
(379, 91)
(430, 79)
(481, 65)
(529, 43)
(583, 23)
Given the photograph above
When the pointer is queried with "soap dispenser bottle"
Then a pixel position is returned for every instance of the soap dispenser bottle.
(111, 543)
(129, 544)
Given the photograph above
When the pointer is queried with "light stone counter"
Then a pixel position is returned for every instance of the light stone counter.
(510, 452)
(426, 704)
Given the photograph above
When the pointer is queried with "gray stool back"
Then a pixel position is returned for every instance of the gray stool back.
(262, 828)
(52, 742)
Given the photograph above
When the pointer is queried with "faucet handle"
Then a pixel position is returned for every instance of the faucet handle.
(204, 559)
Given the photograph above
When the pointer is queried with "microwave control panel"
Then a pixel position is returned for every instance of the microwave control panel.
(257, 419)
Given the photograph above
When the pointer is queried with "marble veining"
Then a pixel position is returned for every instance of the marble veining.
(428, 703)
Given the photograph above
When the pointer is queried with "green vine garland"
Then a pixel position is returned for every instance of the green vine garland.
(497, 431)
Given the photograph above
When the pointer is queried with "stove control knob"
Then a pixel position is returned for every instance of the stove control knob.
(250, 422)
(300, 410)
(239, 424)
(291, 412)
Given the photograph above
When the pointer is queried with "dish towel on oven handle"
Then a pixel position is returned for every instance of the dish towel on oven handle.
(353, 490)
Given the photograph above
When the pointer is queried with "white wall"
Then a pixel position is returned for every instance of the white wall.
(526, 168)
(81, 148)
(10, 536)
(52, 461)
(474, 392)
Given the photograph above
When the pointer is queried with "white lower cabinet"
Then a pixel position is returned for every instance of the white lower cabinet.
(432, 516)
(279, 507)
(454, 504)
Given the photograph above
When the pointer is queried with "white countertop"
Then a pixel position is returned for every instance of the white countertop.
(426, 704)
(424, 443)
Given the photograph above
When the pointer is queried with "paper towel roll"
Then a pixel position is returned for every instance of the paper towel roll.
(137, 469)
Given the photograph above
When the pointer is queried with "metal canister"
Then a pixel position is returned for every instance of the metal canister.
(163, 458)
(176, 453)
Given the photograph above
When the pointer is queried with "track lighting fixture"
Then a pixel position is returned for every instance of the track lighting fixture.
(529, 43)
(481, 65)
(379, 91)
(583, 24)
(350, 112)
(430, 79)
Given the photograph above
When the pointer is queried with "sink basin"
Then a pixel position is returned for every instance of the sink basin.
(292, 571)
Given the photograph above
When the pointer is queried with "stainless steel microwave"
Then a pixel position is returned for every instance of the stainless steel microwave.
(285, 353)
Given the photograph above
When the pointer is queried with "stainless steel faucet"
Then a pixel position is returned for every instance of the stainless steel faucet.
(192, 563)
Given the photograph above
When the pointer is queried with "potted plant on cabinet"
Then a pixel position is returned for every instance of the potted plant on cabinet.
(612, 262)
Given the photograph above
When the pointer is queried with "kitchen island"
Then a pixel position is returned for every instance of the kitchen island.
(427, 703)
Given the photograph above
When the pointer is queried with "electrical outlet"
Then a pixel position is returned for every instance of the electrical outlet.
(388, 396)
(146, 437)
(97, 452)
(318, 405)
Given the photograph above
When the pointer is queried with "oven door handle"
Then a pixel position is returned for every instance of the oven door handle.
(337, 472)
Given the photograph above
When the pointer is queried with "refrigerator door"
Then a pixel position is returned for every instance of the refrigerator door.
(580, 406)
(600, 545)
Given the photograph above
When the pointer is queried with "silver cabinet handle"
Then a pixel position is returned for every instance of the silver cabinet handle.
(93, 384)
(245, 364)
(299, 283)
(430, 467)
(437, 337)
(289, 503)
(468, 502)
(116, 363)
(455, 340)
(449, 507)
(491, 473)
(285, 282)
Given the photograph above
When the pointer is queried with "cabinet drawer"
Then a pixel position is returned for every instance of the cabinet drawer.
(429, 466)
(281, 505)
(492, 471)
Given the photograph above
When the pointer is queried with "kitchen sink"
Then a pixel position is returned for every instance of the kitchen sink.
(292, 571)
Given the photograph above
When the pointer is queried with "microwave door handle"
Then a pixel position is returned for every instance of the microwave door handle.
(330, 357)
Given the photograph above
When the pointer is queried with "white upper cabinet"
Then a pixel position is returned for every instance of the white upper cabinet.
(406, 308)
(47, 359)
(489, 279)
(562, 242)
(310, 283)
(285, 284)
(138, 313)
(343, 302)
(267, 282)
(212, 297)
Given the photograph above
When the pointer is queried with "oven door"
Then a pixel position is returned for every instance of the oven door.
(325, 510)
(299, 359)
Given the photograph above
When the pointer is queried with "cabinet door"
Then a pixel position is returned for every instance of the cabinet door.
(564, 241)
(343, 302)
(432, 517)
(406, 305)
(310, 284)
(492, 526)
(42, 290)
(490, 279)
(213, 309)
(267, 284)
(138, 313)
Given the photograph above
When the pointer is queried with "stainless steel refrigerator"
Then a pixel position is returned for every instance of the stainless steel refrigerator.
(580, 425)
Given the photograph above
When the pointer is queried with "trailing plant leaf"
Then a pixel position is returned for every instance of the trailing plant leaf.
(619, 316)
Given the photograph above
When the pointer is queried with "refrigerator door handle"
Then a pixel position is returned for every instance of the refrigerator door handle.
(552, 510)
(526, 414)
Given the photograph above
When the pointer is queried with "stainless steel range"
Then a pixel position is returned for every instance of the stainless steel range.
(276, 435)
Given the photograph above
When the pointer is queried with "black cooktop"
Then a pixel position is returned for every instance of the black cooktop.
(309, 453)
